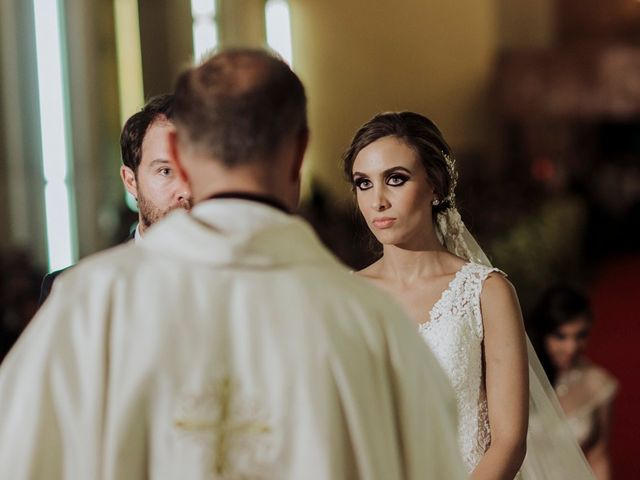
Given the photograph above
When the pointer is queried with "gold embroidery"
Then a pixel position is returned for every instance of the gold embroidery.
(235, 424)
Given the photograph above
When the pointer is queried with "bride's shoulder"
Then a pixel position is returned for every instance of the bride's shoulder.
(497, 290)
(487, 274)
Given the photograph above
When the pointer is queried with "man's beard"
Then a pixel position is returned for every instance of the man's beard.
(150, 213)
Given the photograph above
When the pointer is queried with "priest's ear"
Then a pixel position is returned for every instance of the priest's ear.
(175, 155)
(302, 140)
(128, 177)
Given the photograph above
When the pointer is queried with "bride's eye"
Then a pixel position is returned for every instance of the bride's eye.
(362, 183)
(395, 180)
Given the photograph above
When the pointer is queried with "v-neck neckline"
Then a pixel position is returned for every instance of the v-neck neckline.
(444, 293)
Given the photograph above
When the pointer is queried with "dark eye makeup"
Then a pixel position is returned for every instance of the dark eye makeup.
(393, 179)
(396, 179)
(362, 183)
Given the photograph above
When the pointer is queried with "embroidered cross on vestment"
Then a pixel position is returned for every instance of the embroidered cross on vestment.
(234, 427)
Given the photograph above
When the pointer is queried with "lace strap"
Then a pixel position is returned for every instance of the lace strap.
(474, 281)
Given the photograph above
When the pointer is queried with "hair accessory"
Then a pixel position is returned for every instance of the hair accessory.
(453, 178)
(435, 202)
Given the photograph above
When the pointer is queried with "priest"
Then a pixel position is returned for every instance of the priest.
(230, 344)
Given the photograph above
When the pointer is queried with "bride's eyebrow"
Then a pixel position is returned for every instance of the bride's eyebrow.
(396, 169)
(384, 173)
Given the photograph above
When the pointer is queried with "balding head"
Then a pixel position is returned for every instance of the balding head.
(239, 107)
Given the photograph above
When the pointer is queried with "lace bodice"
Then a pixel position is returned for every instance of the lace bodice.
(454, 332)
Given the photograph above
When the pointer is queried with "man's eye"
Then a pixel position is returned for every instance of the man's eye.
(165, 172)
(396, 180)
(362, 183)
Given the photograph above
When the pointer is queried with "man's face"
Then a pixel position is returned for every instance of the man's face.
(156, 185)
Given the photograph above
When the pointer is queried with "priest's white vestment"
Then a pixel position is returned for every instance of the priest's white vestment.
(229, 344)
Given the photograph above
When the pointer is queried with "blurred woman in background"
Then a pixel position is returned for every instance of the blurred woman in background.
(559, 328)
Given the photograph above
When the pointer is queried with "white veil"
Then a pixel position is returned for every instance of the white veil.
(552, 451)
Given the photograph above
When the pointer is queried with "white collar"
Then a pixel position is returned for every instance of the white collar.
(230, 231)
(137, 236)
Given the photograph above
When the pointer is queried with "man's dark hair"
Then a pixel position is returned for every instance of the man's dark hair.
(137, 125)
(239, 106)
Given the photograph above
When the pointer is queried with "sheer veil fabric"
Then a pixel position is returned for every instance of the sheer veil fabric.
(552, 451)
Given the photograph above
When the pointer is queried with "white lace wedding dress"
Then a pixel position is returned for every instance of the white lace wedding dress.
(454, 332)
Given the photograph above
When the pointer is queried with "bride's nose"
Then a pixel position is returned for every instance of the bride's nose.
(380, 202)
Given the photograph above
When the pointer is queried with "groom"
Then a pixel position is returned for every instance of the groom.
(145, 172)
(230, 343)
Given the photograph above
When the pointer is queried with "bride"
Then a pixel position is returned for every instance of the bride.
(404, 178)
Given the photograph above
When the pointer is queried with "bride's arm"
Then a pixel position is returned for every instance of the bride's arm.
(507, 380)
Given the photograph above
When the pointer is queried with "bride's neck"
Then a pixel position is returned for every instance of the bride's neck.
(404, 265)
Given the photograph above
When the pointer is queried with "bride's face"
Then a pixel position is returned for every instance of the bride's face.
(393, 192)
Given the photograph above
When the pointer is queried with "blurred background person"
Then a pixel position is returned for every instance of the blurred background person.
(560, 326)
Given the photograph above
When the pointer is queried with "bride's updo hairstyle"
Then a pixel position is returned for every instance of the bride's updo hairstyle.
(423, 137)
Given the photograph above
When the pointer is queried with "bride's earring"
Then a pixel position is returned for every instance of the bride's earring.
(435, 202)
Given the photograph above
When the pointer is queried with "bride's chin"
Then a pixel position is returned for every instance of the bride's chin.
(387, 240)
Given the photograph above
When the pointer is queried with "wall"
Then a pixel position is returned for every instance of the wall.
(21, 173)
(166, 43)
(242, 23)
(94, 115)
(4, 194)
(527, 25)
(360, 57)
(93, 104)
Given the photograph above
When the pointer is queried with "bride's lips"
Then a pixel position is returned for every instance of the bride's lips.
(383, 222)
